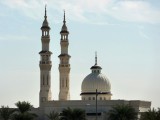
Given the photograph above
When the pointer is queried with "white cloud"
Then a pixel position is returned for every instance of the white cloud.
(90, 11)
(30, 8)
(136, 11)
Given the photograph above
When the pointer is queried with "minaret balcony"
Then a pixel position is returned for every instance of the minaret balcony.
(46, 36)
(45, 62)
(63, 65)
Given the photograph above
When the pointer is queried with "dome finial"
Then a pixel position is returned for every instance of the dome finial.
(96, 58)
(64, 21)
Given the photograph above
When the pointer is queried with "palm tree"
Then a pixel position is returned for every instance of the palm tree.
(73, 114)
(53, 116)
(122, 112)
(158, 113)
(151, 114)
(23, 111)
(6, 112)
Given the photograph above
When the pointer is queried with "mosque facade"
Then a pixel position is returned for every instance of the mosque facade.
(95, 89)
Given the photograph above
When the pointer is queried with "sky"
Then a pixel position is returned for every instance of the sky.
(125, 34)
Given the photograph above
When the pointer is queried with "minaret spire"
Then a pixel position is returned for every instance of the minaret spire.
(45, 16)
(64, 20)
(45, 22)
(96, 58)
(64, 27)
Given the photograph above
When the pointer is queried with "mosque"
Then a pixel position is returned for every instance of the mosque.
(95, 89)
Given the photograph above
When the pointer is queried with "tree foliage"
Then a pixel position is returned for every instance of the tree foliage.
(53, 116)
(23, 111)
(122, 112)
(6, 112)
(151, 114)
(73, 114)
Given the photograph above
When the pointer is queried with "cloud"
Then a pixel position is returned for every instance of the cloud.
(90, 11)
(136, 11)
(29, 8)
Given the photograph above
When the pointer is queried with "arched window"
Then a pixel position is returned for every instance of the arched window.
(47, 79)
(43, 99)
(62, 61)
(47, 33)
(43, 80)
(100, 98)
(62, 82)
(66, 83)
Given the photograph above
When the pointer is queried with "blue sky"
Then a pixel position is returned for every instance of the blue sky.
(125, 33)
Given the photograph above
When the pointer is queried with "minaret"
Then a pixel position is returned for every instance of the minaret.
(64, 66)
(45, 64)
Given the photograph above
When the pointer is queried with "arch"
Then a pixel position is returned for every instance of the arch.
(43, 80)
(62, 82)
(62, 61)
(47, 79)
(66, 83)
(100, 98)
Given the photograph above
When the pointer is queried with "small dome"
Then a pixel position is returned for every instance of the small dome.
(95, 81)
(64, 29)
(45, 23)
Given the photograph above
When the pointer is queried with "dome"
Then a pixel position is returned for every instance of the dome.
(96, 84)
(95, 81)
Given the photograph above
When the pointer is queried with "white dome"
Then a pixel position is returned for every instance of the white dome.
(96, 85)
(95, 81)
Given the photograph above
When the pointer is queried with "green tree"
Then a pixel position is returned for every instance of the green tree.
(151, 114)
(122, 112)
(73, 114)
(23, 112)
(6, 112)
(53, 116)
